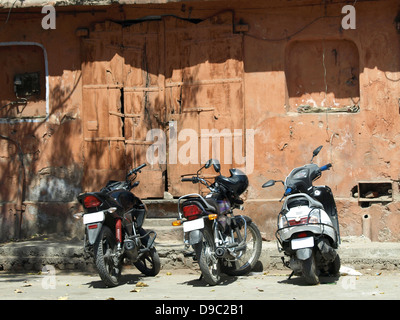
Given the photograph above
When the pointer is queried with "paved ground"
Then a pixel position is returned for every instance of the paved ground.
(21, 278)
(184, 284)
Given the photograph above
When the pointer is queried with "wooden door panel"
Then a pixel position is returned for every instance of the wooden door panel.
(204, 92)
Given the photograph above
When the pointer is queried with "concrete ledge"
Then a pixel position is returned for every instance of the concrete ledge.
(356, 252)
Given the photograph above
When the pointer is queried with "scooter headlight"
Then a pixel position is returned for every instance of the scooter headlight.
(314, 216)
(300, 174)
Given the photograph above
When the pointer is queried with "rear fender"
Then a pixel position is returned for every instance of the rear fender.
(304, 253)
(93, 231)
(195, 236)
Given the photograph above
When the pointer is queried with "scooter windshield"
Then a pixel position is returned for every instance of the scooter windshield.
(301, 178)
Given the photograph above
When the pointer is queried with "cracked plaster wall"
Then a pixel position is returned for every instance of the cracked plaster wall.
(361, 146)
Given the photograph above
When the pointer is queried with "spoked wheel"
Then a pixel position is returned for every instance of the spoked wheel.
(246, 259)
(208, 262)
(107, 264)
(149, 264)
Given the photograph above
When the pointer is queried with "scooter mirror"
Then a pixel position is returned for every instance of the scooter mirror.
(208, 164)
(316, 151)
(269, 183)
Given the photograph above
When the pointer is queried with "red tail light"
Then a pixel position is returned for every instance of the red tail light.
(191, 212)
(91, 202)
(302, 235)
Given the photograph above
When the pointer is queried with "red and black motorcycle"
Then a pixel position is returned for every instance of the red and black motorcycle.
(113, 220)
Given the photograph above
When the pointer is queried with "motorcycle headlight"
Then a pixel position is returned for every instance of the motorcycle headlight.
(314, 216)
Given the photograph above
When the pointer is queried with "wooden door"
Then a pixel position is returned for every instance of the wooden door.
(172, 75)
(120, 101)
(102, 76)
(204, 93)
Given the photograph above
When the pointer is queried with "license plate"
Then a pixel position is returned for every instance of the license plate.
(302, 243)
(93, 217)
(193, 225)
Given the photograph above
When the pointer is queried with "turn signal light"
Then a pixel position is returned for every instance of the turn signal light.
(212, 216)
(177, 223)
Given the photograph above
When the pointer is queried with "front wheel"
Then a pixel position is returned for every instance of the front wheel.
(208, 262)
(149, 264)
(248, 257)
(105, 255)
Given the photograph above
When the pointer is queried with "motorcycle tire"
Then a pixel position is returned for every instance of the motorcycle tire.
(208, 262)
(104, 249)
(247, 262)
(334, 267)
(310, 270)
(149, 264)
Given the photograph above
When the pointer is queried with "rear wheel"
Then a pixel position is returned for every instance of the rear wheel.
(310, 270)
(208, 262)
(107, 263)
(334, 267)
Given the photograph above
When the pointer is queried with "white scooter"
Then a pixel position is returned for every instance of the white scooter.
(308, 228)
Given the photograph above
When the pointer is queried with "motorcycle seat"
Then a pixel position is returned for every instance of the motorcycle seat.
(212, 204)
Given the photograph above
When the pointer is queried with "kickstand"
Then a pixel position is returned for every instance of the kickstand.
(291, 275)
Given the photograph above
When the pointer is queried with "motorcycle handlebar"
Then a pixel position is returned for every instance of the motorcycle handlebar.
(136, 169)
(288, 190)
(192, 179)
(325, 167)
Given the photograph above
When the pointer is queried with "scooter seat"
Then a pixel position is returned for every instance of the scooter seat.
(301, 199)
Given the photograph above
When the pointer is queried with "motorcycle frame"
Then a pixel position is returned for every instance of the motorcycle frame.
(195, 235)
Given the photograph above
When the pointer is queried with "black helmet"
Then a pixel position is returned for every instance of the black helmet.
(237, 183)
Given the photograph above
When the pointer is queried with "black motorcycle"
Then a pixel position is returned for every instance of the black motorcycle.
(113, 220)
(222, 242)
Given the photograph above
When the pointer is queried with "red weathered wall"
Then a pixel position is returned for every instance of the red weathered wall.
(277, 63)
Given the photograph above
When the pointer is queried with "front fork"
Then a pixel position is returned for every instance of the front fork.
(118, 234)
(235, 228)
(228, 247)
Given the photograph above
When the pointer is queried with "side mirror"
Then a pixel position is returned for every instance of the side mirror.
(269, 183)
(215, 163)
(315, 152)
